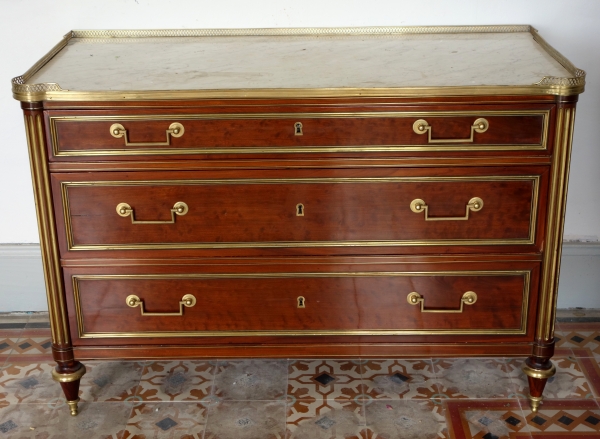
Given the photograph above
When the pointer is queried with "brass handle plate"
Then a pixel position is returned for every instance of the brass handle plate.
(188, 301)
(417, 205)
(480, 125)
(180, 208)
(175, 129)
(469, 298)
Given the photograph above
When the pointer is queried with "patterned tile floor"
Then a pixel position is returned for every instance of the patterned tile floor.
(425, 398)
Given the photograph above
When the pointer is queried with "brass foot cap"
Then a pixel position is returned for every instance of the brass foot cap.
(73, 407)
(535, 402)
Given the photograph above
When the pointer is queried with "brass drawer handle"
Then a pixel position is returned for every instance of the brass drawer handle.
(175, 129)
(180, 208)
(421, 127)
(188, 300)
(468, 298)
(417, 206)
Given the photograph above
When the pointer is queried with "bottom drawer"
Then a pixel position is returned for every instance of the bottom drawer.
(296, 304)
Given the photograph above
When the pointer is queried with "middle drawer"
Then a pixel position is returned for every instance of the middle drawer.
(143, 211)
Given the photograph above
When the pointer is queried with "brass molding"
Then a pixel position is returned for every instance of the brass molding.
(469, 298)
(561, 86)
(557, 196)
(36, 142)
(72, 246)
(68, 377)
(54, 121)
(83, 333)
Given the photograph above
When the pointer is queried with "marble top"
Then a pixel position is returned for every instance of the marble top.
(299, 62)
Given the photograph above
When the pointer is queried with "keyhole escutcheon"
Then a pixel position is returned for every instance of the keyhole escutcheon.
(301, 302)
(298, 129)
(299, 209)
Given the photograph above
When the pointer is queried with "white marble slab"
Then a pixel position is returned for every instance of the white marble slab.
(249, 62)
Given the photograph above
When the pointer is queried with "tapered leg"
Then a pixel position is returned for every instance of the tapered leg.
(69, 377)
(538, 370)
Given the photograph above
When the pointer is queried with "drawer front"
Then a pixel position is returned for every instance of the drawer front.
(298, 212)
(297, 304)
(117, 135)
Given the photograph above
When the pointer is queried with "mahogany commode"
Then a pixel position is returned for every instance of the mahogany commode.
(376, 192)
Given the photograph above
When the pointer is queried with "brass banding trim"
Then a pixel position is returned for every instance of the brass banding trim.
(68, 377)
(452, 146)
(72, 246)
(538, 373)
(526, 274)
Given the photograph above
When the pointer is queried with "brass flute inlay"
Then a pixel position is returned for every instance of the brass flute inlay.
(469, 298)
(180, 208)
(421, 127)
(175, 129)
(188, 301)
(417, 206)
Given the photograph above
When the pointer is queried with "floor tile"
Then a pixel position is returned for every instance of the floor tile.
(580, 336)
(320, 380)
(399, 379)
(246, 420)
(9, 338)
(569, 382)
(406, 419)
(176, 381)
(166, 421)
(591, 370)
(486, 419)
(34, 345)
(110, 380)
(251, 380)
(473, 378)
(28, 383)
(53, 421)
(573, 418)
(325, 420)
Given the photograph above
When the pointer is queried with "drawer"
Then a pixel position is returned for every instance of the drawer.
(301, 304)
(114, 135)
(119, 211)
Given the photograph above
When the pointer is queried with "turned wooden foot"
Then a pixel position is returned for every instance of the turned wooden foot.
(69, 378)
(538, 370)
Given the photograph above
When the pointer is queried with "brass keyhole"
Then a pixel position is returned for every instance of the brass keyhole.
(299, 209)
(301, 302)
(298, 129)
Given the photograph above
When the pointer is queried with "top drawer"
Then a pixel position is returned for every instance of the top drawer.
(117, 134)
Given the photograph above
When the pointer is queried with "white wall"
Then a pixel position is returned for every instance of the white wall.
(29, 28)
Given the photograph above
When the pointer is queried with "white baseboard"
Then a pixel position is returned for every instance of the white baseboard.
(22, 281)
